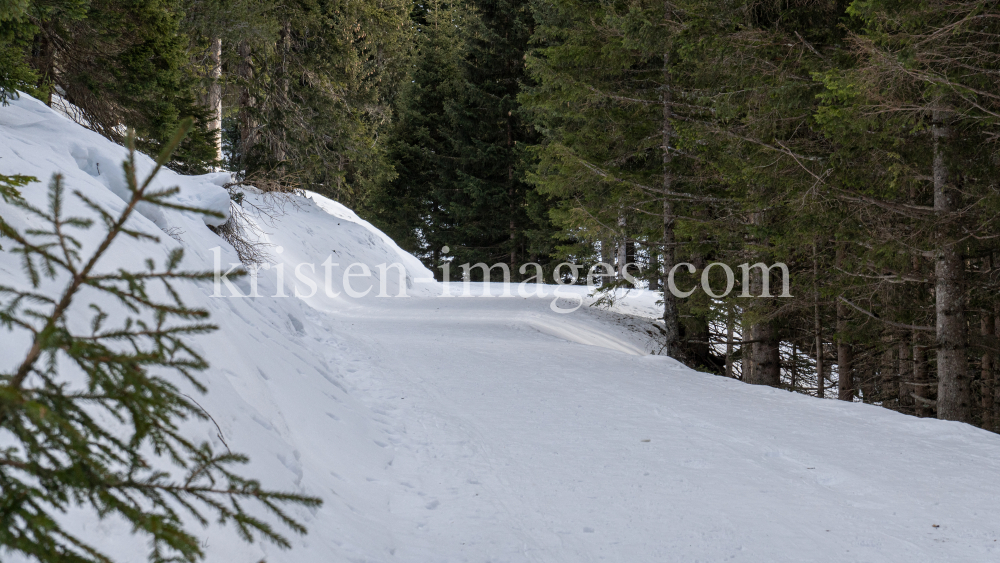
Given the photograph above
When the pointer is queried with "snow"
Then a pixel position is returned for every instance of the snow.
(452, 429)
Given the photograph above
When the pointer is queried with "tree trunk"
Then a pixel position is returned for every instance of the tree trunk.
(511, 199)
(866, 381)
(246, 122)
(795, 366)
(764, 356)
(996, 376)
(215, 93)
(697, 328)
(280, 144)
(845, 358)
(845, 352)
(889, 378)
(671, 327)
(654, 268)
(730, 321)
(988, 328)
(621, 249)
(818, 329)
(921, 380)
(906, 387)
(765, 368)
(630, 265)
(954, 400)
(43, 61)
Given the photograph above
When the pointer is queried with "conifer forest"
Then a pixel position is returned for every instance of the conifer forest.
(834, 165)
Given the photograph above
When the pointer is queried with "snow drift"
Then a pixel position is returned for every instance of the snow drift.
(493, 429)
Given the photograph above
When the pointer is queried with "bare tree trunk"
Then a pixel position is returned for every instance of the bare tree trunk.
(820, 367)
(845, 358)
(730, 321)
(866, 381)
(764, 356)
(765, 360)
(845, 352)
(906, 375)
(654, 268)
(621, 251)
(279, 145)
(921, 380)
(630, 263)
(215, 93)
(995, 410)
(671, 327)
(889, 378)
(795, 366)
(988, 328)
(43, 61)
(246, 121)
(818, 329)
(510, 198)
(954, 400)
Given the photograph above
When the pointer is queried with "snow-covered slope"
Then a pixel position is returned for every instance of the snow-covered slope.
(448, 429)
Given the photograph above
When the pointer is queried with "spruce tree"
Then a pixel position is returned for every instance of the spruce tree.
(412, 207)
(488, 202)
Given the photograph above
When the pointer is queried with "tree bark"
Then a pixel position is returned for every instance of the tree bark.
(246, 122)
(996, 376)
(954, 401)
(621, 251)
(765, 360)
(818, 329)
(845, 358)
(765, 356)
(906, 387)
(215, 93)
(654, 268)
(845, 352)
(889, 378)
(988, 329)
(43, 60)
(730, 321)
(921, 379)
(795, 366)
(671, 326)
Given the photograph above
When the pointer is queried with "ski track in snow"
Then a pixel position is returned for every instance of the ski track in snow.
(494, 430)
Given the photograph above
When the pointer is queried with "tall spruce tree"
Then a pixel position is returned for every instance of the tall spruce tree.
(488, 203)
(412, 208)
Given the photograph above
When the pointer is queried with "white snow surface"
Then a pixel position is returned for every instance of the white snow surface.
(493, 429)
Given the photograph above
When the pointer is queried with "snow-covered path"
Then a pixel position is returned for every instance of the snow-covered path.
(513, 445)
